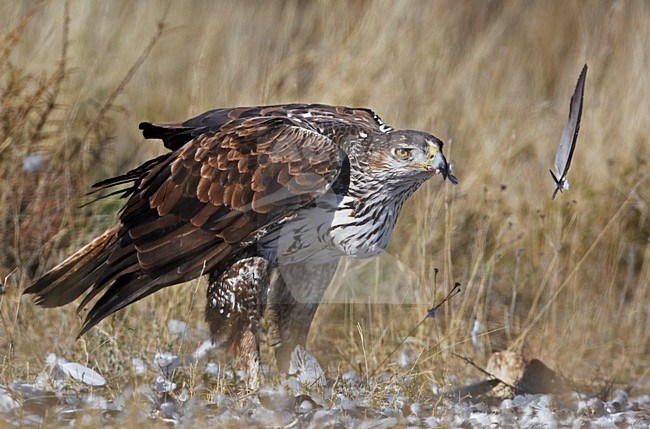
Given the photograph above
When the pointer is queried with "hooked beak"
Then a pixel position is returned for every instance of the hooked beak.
(439, 165)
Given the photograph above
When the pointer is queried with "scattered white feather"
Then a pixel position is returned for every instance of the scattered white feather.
(389, 422)
(82, 373)
(202, 351)
(166, 362)
(476, 330)
(305, 407)
(346, 401)
(169, 412)
(213, 369)
(139, 367)
(162, 385)
(350, 376)
(407, 356)
(304, 366)
(71, 370)
(7, 403)
(51, 359)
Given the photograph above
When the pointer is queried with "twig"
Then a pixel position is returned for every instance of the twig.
(455, 291)
(475, 365)
(430, 314)
(343, 357)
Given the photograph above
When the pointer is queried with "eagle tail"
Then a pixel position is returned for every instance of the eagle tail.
(77, 274)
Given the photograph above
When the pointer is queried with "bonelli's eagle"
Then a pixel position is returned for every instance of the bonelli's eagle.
(240, 193)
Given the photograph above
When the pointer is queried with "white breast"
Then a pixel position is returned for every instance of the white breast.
(365, 236)
(331, 229)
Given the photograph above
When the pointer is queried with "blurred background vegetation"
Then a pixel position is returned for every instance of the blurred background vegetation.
(564, 280)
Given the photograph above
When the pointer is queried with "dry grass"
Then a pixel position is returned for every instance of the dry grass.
(567, 281)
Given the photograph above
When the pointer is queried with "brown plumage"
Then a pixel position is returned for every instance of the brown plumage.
(232, 183)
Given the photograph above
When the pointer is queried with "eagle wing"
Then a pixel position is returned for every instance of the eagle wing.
(225, 186)
(319, 116)
(196, 207)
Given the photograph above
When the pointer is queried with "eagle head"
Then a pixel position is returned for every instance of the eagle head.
(411, 155)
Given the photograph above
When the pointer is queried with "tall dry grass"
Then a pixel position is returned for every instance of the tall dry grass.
(565, 280)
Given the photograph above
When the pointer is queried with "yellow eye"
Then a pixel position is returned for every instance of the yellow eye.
(403, 152)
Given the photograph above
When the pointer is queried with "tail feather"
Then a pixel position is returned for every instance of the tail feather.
(125, 267)
(90, 271)
(78, 273)
(125, 290)
(93, 271)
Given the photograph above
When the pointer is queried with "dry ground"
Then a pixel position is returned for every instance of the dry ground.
(566, 281)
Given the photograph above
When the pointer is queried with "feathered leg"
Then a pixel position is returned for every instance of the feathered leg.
(234, 308)
(293, 300)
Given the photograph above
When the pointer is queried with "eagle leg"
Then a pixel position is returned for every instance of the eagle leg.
(289, 322)
(294, 297)
(234, 309)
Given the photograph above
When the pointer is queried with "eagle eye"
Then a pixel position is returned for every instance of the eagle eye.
(403, 152)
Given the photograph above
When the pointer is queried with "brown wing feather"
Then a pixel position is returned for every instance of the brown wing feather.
(175, 135)
(200, 205)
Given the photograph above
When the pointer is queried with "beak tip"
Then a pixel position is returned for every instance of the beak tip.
(446, 172)
(440, 165)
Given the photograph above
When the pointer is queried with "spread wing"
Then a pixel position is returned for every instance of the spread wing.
(192, 209)
(570, 132)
